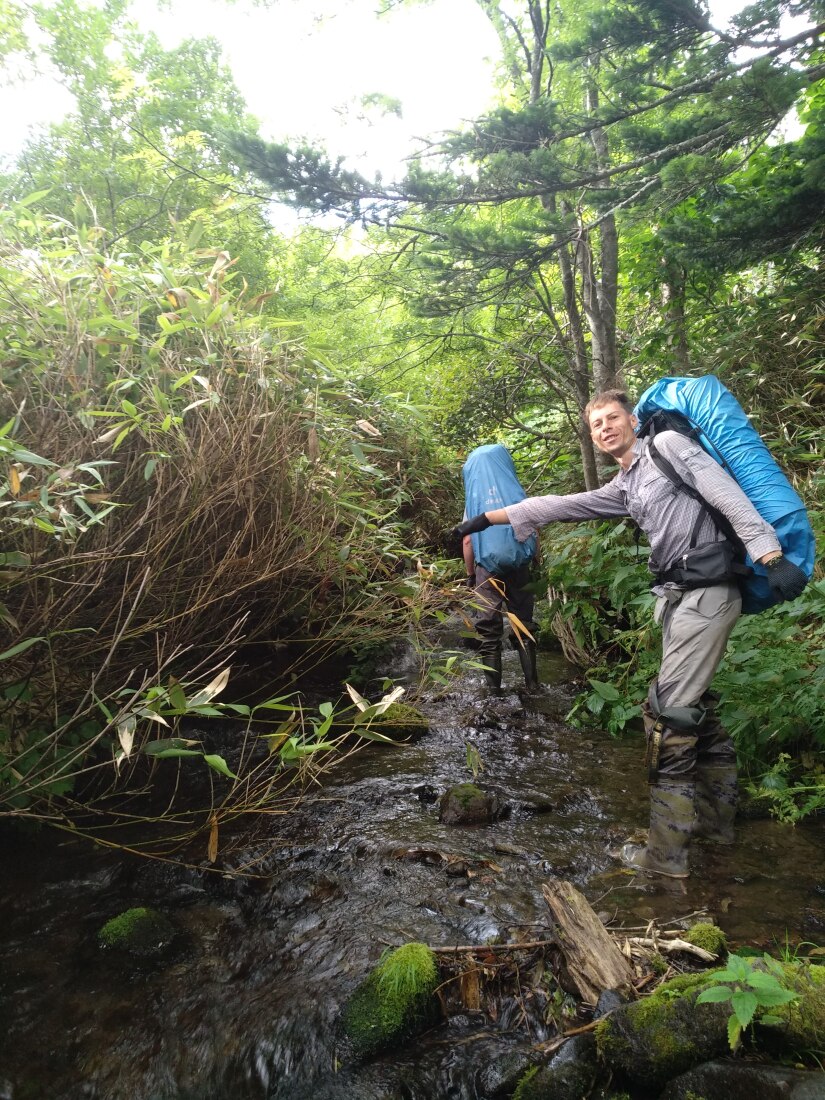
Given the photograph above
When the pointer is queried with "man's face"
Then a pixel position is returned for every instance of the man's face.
(611, 428)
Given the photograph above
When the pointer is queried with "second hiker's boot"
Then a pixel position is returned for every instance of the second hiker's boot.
(527, 657)
(716, 795)
(491, 658)
(671, 823)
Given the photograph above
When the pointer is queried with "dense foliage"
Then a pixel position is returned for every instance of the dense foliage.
(225, 446)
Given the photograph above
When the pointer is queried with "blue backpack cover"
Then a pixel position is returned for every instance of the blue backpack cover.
(727, 435)
(490, 482)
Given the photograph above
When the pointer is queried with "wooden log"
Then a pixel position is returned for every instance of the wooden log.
(593, 960)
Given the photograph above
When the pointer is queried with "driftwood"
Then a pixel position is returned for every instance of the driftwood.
(673, 944)
(593, 960)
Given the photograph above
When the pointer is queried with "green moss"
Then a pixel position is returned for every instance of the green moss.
(804, 1019)
(395, 1002)
(709, 937)
(400, 720)
(467, 793)
(138, 931)
(658, 963)
(665, 1034)
(523, 1088)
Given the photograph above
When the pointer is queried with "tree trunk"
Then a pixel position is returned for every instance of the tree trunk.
(673, 294)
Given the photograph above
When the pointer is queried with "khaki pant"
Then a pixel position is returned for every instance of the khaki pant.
(695, 626)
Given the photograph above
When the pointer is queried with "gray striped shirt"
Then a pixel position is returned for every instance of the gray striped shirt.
(665, 514)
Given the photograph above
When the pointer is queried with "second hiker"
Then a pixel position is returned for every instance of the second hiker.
(498, 564)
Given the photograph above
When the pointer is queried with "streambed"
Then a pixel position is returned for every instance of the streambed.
(246, 1008)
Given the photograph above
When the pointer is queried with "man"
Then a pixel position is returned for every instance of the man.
(498, 564)
(692, 762)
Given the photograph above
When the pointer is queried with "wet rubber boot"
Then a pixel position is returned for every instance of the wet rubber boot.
(527, 657)
(672, 809)
(492, 673)
(716, 786)
(716, 795)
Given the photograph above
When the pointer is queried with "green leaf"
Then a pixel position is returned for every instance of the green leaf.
(166, 745)
(734, 1032)
(744, 1004)
(21, 647)
(169, 754)
(33, 197)
(16, 559)
(371, 735)
(219, 764)
(606, 691)
(715, 995)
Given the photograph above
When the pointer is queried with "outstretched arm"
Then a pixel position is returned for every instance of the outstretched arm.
(534, 512)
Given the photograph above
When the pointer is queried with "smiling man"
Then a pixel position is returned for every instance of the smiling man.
(691, 759)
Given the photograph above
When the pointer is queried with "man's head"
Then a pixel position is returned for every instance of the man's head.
(609, 416)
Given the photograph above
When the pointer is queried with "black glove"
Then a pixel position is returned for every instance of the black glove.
(786, 579)
(471, 580)
(470, 526)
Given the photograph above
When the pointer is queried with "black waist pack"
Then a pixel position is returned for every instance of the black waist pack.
(704, 565)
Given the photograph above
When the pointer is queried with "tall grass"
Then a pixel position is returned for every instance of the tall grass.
(211, 487)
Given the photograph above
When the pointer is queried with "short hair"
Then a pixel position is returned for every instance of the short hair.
(607, 397)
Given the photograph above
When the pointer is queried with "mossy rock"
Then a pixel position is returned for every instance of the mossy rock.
(656, 1039)
(140, 932)
(394, 1003)
(709, 937)
(569, 1076)
(467, 804)
(802, 1031)
(400, 720)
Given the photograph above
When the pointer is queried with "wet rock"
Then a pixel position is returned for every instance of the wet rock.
(426, 793)
(569, 1076)
(139, 932)
(499, 1078)
(609, 1000)
(727, 1080)
(654, 1040)
(395, 1002)
(467, 804)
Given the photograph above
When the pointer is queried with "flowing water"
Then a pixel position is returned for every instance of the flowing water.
(245, 1008)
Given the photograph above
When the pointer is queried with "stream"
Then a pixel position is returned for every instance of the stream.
(245, 1009)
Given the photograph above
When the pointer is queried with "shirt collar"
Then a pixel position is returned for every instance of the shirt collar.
(638, 448)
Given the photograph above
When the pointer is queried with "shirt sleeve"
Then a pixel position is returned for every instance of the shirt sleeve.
(720, 490)
(528, 515)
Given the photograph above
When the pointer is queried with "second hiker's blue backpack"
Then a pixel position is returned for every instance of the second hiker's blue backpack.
(490, 483)
(722, 427)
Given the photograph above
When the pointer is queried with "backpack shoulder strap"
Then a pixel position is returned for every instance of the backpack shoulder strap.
(721, 520)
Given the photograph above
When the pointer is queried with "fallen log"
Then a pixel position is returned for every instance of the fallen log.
(593, 961)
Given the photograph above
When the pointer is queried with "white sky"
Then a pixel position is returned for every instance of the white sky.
(300, 74)
(303, 76)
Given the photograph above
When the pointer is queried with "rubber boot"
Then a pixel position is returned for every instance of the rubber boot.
(716, 794)
(672, 808)
(491, 657)
(716, 786)
(527, 657)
